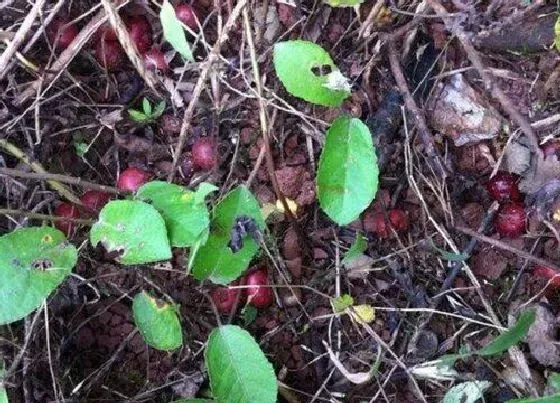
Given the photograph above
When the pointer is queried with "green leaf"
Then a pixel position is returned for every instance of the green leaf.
(544, 399)
(357, 248)
(157, 322)
(192, 401)
(173, 31)
(466, 392)
(343, 3)
(185, 213)
(158, 111)
(557, 34)
(249, 313)
(147, 107)
(214, 259)
(512, 336)
(296, 64)
(339, 304)
(133, 228)
(347, 177)
(553, 382)
(137, 116)
(238, 370)
(33, 262)
(450, 256)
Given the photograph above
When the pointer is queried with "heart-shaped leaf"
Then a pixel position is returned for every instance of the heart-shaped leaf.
(185, 213)
(237, 368)
(33, 262)
(134, 229)
(157, 322)
(347, 177)
(215, 260)
(308, 72)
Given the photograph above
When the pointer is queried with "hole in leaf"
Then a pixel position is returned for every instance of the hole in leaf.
(323, 70)
(42, 264)
(46, 239)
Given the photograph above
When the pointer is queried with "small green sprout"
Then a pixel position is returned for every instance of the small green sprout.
(148, 114)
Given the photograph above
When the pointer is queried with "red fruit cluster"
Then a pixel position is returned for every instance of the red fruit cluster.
(94, 200)
(108, 50)
(258, 294)
(61, 32)
(511, 220)
(132, 178)
(66, 210)
(380, 223)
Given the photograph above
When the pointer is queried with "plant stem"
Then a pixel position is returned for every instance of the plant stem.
(38, 216)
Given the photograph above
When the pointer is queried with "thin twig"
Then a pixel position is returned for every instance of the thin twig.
(129, 46)
(205, 71)
(502, 245)
(20, 35)
(73, 180)
(423, 130)
(19, 154)
(38, 216)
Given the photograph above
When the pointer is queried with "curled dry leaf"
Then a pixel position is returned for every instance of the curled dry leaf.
(541, 337)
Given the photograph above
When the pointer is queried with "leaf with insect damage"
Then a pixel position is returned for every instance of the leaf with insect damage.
(134, 229)
(33, 262)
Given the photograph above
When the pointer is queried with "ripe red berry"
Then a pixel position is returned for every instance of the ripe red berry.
(61, 33)
(398, 219)
(511, 220)
(109, 54)
(132, 178)
(258, 293)
(204, 153)
(548, 273)
(503, 186)
(94, 200)
(69, 211)
(105, 32)
(186, 14)
(140, 32)
(155, 60)
(225, 297)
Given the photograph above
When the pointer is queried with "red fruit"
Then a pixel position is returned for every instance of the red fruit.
(376, 223)
(109, 54)
(551, 148)
(511, 220)
(186, 14)
(398, 219)
(503, 186)
(105, 32)
(140, 32)
(258, 294)
(132, 178)
(224, 297)
(548, 273)
(204, 153)
(69, 211)
(61, 33)
(94, 200)
(155, 60)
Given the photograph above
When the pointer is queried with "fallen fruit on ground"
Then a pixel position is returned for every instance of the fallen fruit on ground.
(109, 54)
(140, 32)
(398, 219)
(69, 211)
(94, 200)
(155, 60)
(503, 186)
(204, 153)
(548, 273)
(186, 14)
(132, 178)
(259, 294)
(225, 297)
(511, 220)
(61, 32)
